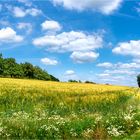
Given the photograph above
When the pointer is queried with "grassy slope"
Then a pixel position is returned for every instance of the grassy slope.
(38, 109)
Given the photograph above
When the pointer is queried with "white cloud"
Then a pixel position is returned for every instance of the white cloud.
(82, 57)
(4, 23)
(20, 12)
(128, 65)
(69, 42)
(80, 44)
(117, 77)
(103, 75)
(48, 61)
(25, 26)
(105, 65)
(114, 79)
(33, 12)
(103, 6)
(119, 65)
(120, 73)
(9, 35)
(136, 60)
(26, 2)
(0, 7)
(131, 48)
(69, 73)
(51, 25)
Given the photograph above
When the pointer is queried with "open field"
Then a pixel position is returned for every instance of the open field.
(31, 109)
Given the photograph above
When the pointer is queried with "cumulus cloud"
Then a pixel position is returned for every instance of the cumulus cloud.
(69, 73)
(103, 6)
(105, 65)
(48, 61)
(81, 57)
(119, 73)
(25, 26)
(21, 12)
(103, 75)
(18, 12)
(69, 42)
(80, 44)
(119, 65)
(131, 48)
(136, 60)
(109, 78)
(9, 35)
(122, 77)
(26, 2)
(51, 25)
(4, 23)
(132, 65)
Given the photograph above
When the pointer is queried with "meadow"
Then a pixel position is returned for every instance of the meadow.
(32, 109)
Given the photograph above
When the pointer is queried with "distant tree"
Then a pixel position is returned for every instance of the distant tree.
(90, 82)
(107, 84)
(74, 81)
(138, 80)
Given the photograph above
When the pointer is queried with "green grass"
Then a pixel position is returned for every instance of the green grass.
(31, 109)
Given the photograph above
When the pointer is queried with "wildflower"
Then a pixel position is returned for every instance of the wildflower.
(87, 133)
(113, 131)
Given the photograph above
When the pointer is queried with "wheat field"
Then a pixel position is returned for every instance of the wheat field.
(32, 109)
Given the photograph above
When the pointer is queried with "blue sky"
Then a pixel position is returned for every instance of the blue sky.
(97, 40)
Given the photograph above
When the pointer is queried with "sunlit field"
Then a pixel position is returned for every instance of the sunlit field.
(31, 109)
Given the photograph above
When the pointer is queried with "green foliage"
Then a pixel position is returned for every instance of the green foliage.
(28, 70)
(73, 81)
(138, 80)
(89, 82)
(10, 68)
(53, 78)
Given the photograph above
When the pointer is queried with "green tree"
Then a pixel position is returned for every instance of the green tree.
(40, 74)
(73, 81)
(18, 71)
(54, 78)
(138, 80)
(90, 82)
(28, 70)
(9, 67)
(1, 64)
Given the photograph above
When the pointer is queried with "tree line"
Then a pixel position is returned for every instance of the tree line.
(79, 81)
(10, 68)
